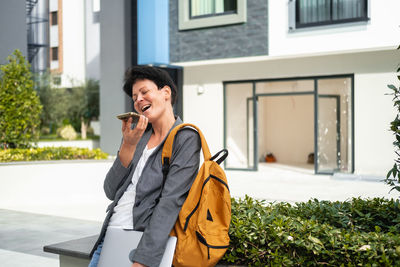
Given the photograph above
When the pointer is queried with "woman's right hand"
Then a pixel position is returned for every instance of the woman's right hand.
(131, 138)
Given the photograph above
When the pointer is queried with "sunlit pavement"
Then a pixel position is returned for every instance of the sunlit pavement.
(42, 204)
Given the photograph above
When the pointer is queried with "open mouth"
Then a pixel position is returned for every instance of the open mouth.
(146, 108)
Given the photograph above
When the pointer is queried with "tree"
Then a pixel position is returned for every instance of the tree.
(56, 103)
(84, 105)
(393, 176)
(20, 106)
(76, 106)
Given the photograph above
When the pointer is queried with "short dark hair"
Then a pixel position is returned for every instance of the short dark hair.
(159, 76)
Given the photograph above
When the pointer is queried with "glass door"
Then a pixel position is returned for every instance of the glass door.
(239, 126)
(328, 155)
(334, 126)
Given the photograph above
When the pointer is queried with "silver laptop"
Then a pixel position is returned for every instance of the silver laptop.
(118, 243)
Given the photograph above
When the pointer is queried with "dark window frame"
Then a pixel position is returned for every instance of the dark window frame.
(54, 53)
(188, 22)
(54, 18)
(363, 18)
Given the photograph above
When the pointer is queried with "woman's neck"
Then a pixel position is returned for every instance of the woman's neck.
(161, 128)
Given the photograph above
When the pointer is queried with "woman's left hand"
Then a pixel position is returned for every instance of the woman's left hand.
(137, 264)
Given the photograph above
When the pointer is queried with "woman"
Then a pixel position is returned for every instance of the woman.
(135, 181)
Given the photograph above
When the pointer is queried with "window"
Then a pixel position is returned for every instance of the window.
(54, 18)
(203, 8)
(310, 13)
(293, 119)
(54, 53)
(210, 13)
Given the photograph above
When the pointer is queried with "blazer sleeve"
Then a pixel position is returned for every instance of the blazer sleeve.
(115, 178)
(184, 166)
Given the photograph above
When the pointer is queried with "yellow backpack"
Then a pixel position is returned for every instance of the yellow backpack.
(203, 222)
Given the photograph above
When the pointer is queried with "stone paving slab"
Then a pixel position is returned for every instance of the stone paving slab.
(17, 259)
(23, 236)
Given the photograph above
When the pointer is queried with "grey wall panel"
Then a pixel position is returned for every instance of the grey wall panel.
(13, 30)
(240, 40)
(115, 47)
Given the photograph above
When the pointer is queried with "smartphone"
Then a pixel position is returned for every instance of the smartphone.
(125, 116)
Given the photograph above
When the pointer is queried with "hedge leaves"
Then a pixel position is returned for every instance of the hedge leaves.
(19, 104)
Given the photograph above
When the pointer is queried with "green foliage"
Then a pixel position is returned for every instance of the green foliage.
(69, 105)
(20, 106)
(55, 104)
(67, 132)
(50, 153)
(301, 235)
(393, 176)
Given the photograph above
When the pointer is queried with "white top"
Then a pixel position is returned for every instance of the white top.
(122, 215)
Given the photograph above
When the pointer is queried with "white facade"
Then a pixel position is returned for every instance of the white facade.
(382, 30)
(92, 39)
(73, 42)
(365, 51)
(76, 36)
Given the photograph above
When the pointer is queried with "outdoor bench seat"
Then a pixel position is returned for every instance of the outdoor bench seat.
(73, 253)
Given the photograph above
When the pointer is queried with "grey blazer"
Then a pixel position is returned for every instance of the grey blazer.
(155, 210)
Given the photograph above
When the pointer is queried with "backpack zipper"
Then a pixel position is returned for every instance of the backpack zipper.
(204, 242)
(201, 193)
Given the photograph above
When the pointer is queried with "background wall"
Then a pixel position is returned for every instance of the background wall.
(12, 28)
(248, 39)
(115, 57)
(73, 42)
(381, 31)
(373, 109)
(286, 127)
(374, 150)
(92, 41)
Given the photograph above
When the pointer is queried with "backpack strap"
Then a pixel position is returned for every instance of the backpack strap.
(167, 149)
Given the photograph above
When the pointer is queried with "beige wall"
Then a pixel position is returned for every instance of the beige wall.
(374, 150)
(286, 127)
(237, 125)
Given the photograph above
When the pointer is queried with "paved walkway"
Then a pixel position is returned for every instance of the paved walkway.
(42, 204)
(23, 235)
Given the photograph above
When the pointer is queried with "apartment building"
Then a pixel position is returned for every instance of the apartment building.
(74, 41)
(302, 80)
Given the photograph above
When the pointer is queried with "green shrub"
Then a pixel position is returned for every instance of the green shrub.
(301, 235)
(19, 104)
(50, 153)
(357, 214)
(77, 105)
(67, 132)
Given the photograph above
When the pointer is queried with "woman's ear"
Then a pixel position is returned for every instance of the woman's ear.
(167, 92)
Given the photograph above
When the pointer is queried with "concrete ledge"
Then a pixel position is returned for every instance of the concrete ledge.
(77, 248)
(91, 144)
(357, 177)
(61, 161)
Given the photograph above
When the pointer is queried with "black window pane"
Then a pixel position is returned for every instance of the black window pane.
(54, 19)
(202, 8)
(347, 9)
(313, 11)
(230, 5)
(322, 12)
(54, 53)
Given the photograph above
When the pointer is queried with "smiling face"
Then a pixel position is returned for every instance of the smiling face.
(151, 101)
